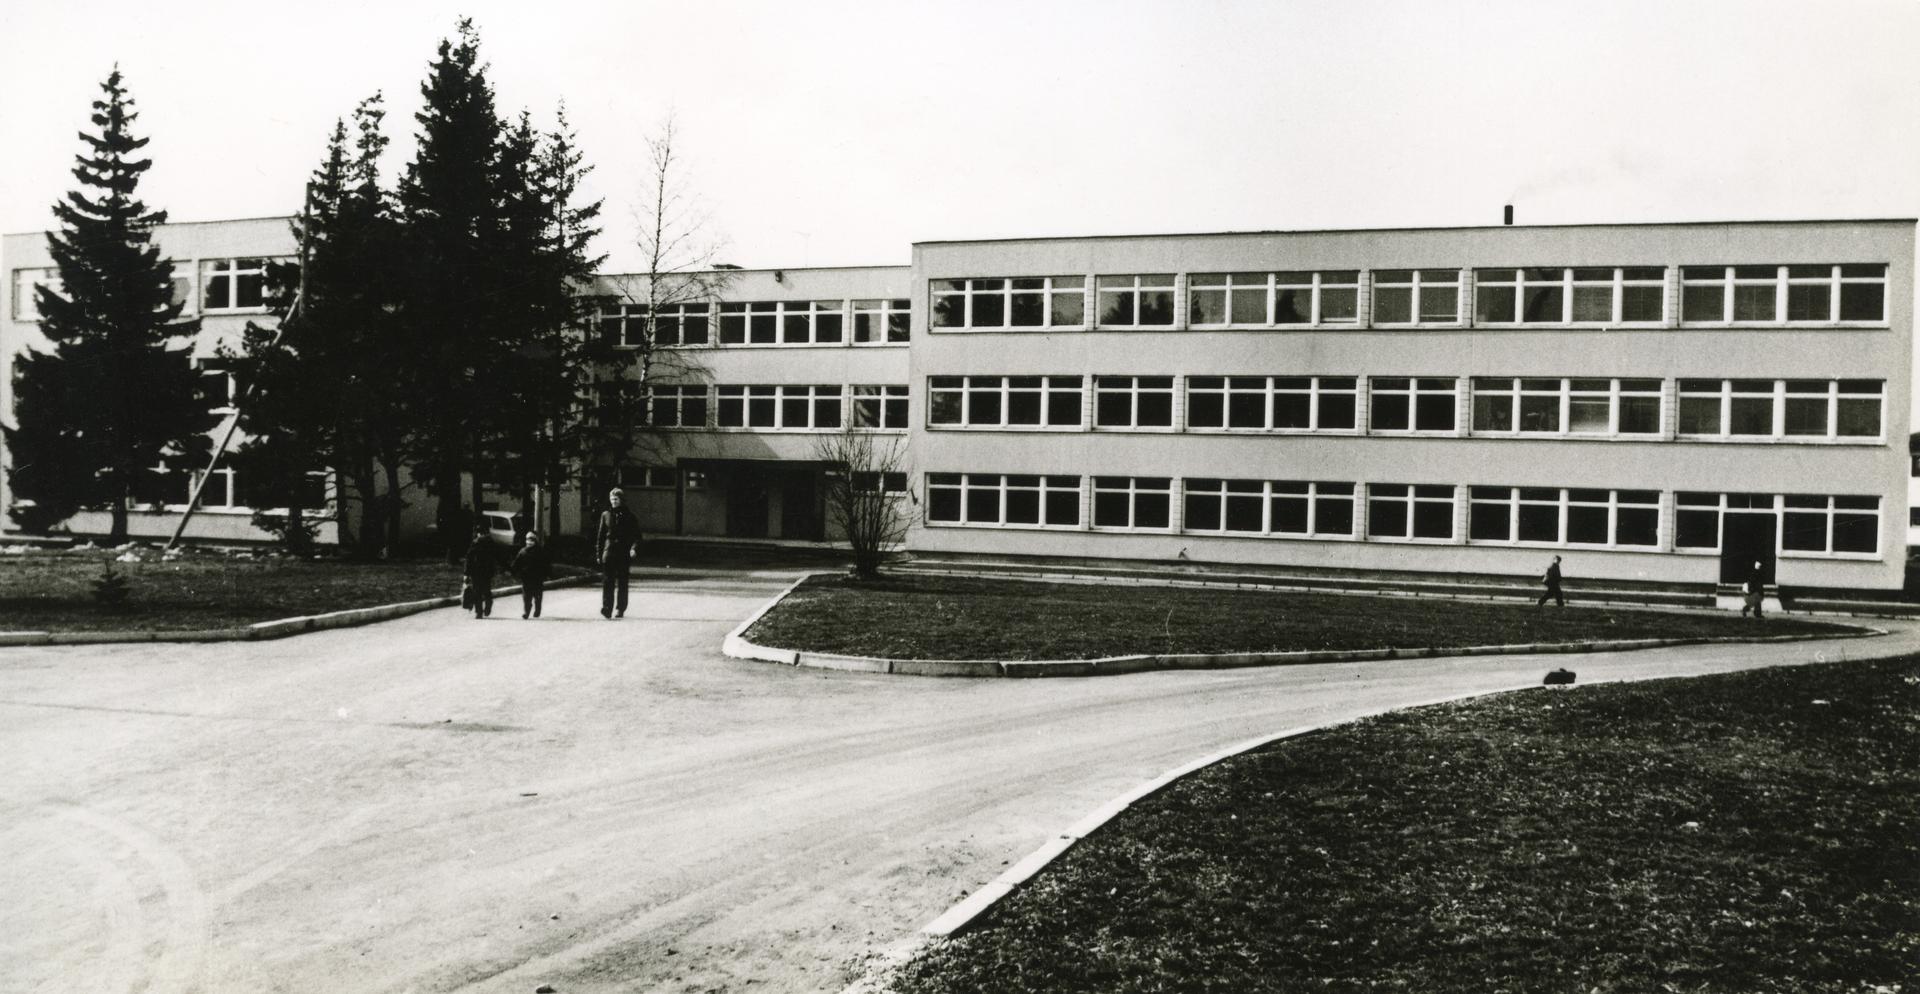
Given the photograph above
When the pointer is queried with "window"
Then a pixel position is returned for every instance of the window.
(1803, 410)
(1269, 507)
(1830, 524)
(1584, 295)
(1133, 401)
(1272, 403)
(221, 492)
(1133, 502)
(1020, 302)
(1416, 296)
(218, 389)
(1399, 511)
(683, 406)
(646, 477)
(786, 322)
(882, 322)
(26, 304)
(1401, 403)
(785, 406)
(994, 499)
(1564, 517)
(1784, 294)
(876, 481)
(1136, 301)
(1004, 401)
(678, 324)
(1291, 298)
(233, 284)
(1566, 406)
(1696, 517)
(880, 406)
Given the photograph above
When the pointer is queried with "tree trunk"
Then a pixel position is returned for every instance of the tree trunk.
(391, 501)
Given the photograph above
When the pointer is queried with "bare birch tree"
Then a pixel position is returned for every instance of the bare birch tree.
(867, 497)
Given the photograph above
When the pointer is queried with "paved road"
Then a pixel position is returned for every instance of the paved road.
(439, 804)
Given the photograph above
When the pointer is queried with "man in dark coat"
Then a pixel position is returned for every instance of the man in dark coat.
(1552, 580)
(1756, 591)
(479, 573)
(613, 547)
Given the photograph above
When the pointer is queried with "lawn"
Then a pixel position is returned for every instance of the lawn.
(1755, 832)
(913, 617)
(53, 591)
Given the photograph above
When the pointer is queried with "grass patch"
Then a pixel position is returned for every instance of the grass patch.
(1754, 832)
(43, 591)
(933, 617)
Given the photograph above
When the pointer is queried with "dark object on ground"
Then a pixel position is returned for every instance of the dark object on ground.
(110, 588)
(1560, 677)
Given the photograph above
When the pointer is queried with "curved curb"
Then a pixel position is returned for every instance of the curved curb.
(263, 630)
(737, 646)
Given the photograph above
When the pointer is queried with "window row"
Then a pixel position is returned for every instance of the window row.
(225, 285)
(1516, 406)
(1518, 296)
(786, 322)
(775, 406)
(1570, 517)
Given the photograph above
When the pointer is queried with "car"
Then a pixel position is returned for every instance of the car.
(504, 528)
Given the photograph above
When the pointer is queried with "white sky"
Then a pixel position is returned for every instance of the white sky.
(839, 133)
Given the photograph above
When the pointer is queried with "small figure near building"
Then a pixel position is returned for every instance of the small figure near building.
(532, 565)
(1756, 590)
(1552, 580)
(613, 547)
(479, 574)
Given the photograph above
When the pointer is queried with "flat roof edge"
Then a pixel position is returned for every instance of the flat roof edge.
(1462, 227)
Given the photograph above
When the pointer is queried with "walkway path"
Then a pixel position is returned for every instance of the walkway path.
(439, 804)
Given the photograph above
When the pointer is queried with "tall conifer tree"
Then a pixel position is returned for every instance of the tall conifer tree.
(117, 393)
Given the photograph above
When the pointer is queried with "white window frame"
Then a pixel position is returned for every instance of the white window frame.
(1778, 395)
(1130, 387)
(1001, 484)
(1413, 499)
(888, 400)
(1416, 283)
(1131, 489)
(1271, 390)
(674, 396)
(967, 290)
(233, 271)
(1134, 287)
(1049, 386)
(817, 397)
(1314, 492)
(879, 315)
(782, 313)
(1518, 388)
(856, 481)
(26, 306)
(1687, 502)
(1564, 501)
(1417, 387)
(1827, 509)
(1783, 279)
(1316, 283)
(1574, 283)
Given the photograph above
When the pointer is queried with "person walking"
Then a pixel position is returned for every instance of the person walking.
(613, 546)
(532, 565)
(479, 573)
(1756, 589)
(1552, 580)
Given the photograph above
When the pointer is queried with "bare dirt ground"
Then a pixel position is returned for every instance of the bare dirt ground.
(440, 804)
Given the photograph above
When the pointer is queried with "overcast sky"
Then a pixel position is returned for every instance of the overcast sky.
(838, 134)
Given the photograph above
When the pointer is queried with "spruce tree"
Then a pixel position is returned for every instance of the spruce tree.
(116, 393)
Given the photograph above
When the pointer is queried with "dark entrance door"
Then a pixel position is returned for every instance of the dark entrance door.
(1744, 540)
(746, 507)
(800, 507)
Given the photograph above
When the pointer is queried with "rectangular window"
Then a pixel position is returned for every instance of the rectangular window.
(1136, 301)
(995, 499)
(1521, 296)
(1398, 511)
(1133, 401)
(1541, 515)
(781, 322)
(1586, 295)
(1830, 525)
(1010, 303)
(1272, 403)
(880, 406)
(1416, 297)
(1565, 406)
(1005, 401)
(233, 284)
(645, 477)
(872, 481)
(1133, 502)
(782, 406)
(1777, 409)
(882, 322)
(26, 303)
(1818, 293)
(1270, 507)
(1274, 299)
(1400, 403)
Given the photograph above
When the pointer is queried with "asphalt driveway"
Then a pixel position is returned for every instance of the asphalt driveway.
(440, 804)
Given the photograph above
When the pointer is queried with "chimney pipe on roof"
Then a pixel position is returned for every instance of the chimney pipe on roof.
(1509, 218)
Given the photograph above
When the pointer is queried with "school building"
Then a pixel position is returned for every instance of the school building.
(1662, 402)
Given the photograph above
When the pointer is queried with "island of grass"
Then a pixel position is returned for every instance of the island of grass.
(1755, 832)
(939, 617)
(53, 591)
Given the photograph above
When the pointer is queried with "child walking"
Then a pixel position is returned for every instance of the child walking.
(532, 565)
(479, 575)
